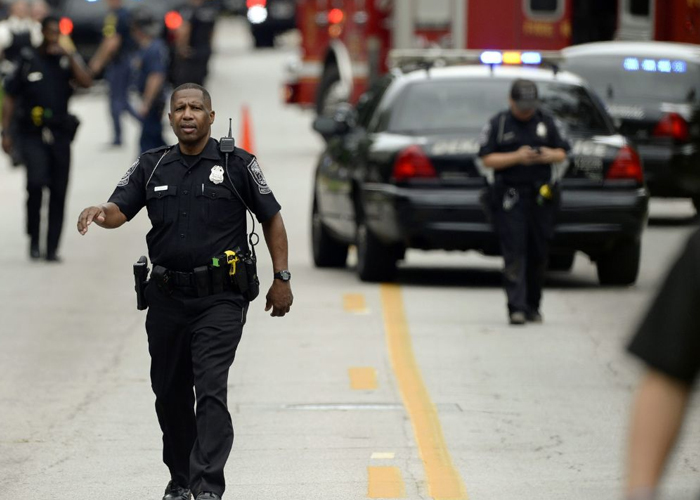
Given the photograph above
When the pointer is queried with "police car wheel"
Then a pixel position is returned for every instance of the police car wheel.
(619, 266)
(376, 262)
(327, 252)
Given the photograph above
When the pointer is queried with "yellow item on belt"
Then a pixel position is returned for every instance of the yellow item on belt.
(229, 257)
(546, 192)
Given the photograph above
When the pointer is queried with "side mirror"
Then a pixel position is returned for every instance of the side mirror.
(342, 121)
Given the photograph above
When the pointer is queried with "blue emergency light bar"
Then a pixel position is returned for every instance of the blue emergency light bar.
(654, 65)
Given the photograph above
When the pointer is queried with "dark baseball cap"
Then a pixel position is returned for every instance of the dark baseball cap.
(524, 94)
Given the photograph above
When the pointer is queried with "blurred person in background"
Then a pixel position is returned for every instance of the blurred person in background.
(193, 42)
(114, 57)
(668, 342)
(150, 64)
(522, 146)
(37, 95)
(39, 10)
(17, 32)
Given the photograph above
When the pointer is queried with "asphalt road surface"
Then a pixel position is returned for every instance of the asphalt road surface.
(415, 390)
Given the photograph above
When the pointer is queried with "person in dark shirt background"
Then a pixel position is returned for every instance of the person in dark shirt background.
(114, 57)
(193, 42)
(521, 145)
(668, 342)
(150, 65)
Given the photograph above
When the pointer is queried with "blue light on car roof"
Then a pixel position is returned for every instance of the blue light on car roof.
(679, 66)
(531, 58)
(649, 65)
(631, 64)
(491, 57)
(664, 66)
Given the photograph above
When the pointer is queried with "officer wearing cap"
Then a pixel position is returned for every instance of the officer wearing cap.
(36, 99)
(150, 64)
(196, 202)
(521, 146)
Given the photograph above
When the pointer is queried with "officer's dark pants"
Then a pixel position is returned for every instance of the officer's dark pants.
(48, 166)
(152, 129)
(117, 75)
(192, 342)
(524, 232)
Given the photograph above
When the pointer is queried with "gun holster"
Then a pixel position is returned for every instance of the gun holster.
(246, 277)
(140, 282)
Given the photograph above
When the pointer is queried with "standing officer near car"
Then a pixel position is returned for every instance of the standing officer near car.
(521, 145)
(197, 196)
(193, 42)
(37, 95)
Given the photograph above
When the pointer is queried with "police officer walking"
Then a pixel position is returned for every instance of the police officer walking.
(521, 145)
(37, 95)
(193, 45)
(114, 57)
(196, 197)
(150, 66)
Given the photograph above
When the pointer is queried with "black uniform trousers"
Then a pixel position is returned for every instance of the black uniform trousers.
(48, 166)
(192, 342)
(524, 228)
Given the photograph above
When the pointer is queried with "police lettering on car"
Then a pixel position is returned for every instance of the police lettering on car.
(521, 145)
(197, 194)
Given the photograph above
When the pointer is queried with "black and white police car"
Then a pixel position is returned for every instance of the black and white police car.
(653, 90)
(399, 170)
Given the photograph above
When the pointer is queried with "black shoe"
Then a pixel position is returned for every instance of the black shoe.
(34, 253)
(208, 496)
(52, 257)
(535, 317)
(176, 492)
(517, 318)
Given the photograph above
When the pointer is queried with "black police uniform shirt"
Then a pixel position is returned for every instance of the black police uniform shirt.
(668, 338)
(504, 133)
(195, 213)
(118, 22)
(41, 84)
(149, 60)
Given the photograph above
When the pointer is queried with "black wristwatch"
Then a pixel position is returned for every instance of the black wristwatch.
(283, 275)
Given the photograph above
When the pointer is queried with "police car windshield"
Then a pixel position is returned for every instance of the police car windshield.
(639, 79)
(456, 105)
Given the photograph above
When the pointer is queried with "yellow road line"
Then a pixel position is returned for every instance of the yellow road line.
(385, 482)
(363, 379)
(444, 482)
(355, 303)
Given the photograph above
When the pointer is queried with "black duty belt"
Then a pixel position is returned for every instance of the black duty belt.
(202, 282)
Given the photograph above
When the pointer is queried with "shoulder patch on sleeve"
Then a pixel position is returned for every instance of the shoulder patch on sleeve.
(484, 134)
(125, 180)
(258, 176)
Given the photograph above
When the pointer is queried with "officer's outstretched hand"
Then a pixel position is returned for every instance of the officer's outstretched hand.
(279, 298)
(88, 216)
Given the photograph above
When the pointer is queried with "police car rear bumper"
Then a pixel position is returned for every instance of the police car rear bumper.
(591, 221)
(671, 171)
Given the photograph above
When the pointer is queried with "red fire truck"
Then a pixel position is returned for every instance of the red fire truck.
(345, 42)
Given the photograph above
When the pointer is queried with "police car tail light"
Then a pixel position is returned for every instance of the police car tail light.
(65, 26)
(672, 125)
(412, 163)
(627, 165)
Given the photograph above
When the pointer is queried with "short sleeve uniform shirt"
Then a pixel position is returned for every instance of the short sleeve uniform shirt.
(150, 60)
(668, 339)
(41, 83)
(505, 134)
(118, 22)
(194, 210)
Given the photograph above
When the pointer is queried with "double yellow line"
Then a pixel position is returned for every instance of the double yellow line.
(444, 482)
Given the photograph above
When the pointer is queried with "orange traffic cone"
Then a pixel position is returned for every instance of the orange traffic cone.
(247, 132)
